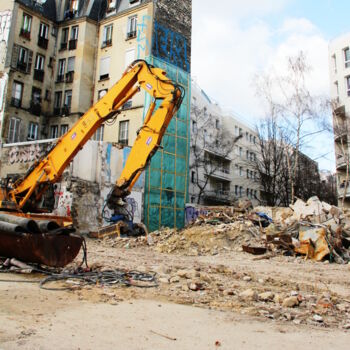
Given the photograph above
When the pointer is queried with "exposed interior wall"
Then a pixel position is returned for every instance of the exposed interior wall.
(85, 184)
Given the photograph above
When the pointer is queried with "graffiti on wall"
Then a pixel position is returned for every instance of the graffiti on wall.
(63, 200)
(142, 40)
(170, 46)
(27, 154)
(192, 214)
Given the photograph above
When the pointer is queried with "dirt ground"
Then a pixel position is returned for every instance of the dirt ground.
(229, 300)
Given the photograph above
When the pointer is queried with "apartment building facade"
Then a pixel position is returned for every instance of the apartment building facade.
(339, 70)
(62, 56)
(223, 153)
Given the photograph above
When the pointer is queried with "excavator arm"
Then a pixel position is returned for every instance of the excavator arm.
(26, 192)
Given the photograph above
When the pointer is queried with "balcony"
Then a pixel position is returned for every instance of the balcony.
(69, 77)
(16, 102)
(106, 43)
(65, 111)
(341, 162)
(217, 197)
(221, 174)
(72, 44)
(24, 33)
(57, 111)
(43, 42)
(131, 35)
(60, 78)
(63, 46)
(38, 75)
(22, 66)
(35, 108)
(215, 152)
(341, 190)
(341, 136)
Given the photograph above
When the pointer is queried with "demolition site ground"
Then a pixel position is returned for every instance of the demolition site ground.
(225, 299)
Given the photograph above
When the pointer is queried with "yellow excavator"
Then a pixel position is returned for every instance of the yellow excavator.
(19, 199)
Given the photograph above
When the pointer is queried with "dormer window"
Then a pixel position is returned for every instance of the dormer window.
(111, 5)
(74, 4)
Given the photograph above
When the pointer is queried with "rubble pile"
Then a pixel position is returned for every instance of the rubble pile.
(313, 229)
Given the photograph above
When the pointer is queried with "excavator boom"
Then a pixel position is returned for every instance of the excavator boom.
(27, 191)
(60, 247)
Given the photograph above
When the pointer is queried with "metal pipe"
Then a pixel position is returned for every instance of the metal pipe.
(27, 224)
(7, 227)
(47, 225)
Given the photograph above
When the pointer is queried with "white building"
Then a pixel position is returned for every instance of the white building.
(339, 64)
(223, 152)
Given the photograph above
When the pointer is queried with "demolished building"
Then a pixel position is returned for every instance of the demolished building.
(62, 56)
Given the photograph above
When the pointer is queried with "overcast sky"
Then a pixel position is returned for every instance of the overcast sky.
(235, 39)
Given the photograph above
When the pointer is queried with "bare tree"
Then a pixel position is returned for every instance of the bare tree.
(295, 112)
(211, 147)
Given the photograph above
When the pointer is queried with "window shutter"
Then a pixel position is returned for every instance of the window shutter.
(104, 66)
(30, 60)
(71, 62)
(14, 58)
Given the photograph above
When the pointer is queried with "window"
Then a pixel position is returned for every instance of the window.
(236, 169)
(334, 61)
(348, 85)
(32, 131)
(74, 33)
(193, 176)
(43, 31)
(64, 38)
(127, 105)
(217, 123)
(131, 29)
(240, 171)
(247, 136)
(61, 69)
(57, 103)
(124, 132)
(14, 130)
(104, 68)
(101, 93)
(347, 57)
(240, 191)
(240, 132)
(39, 62)
(17, 92)
(248, 173)
(26, 26)
(111, 5)
(54, 131)
(70, 70)
(35, 105)
(236, 190)
(336, 87)
(107, 35)
(74, 5)
(240, 152)
(67, 101)
(39, 68)
(194, 126)
(134, 2)
(73, 38)
(64, 129)
(47, 95)
(129, 57)
(22, 58)
(254, 140)
(43, 36)
(247, 154)
(236, 131)
(98, 135)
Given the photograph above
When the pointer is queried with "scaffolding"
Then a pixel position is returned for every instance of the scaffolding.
(166, 177)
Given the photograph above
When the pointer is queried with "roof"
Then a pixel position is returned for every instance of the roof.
(46, 9)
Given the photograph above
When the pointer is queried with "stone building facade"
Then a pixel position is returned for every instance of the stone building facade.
(60, 56)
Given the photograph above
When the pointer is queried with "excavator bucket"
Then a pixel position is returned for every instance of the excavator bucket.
(38, 239)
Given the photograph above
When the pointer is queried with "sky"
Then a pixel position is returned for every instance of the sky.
(233, 40)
